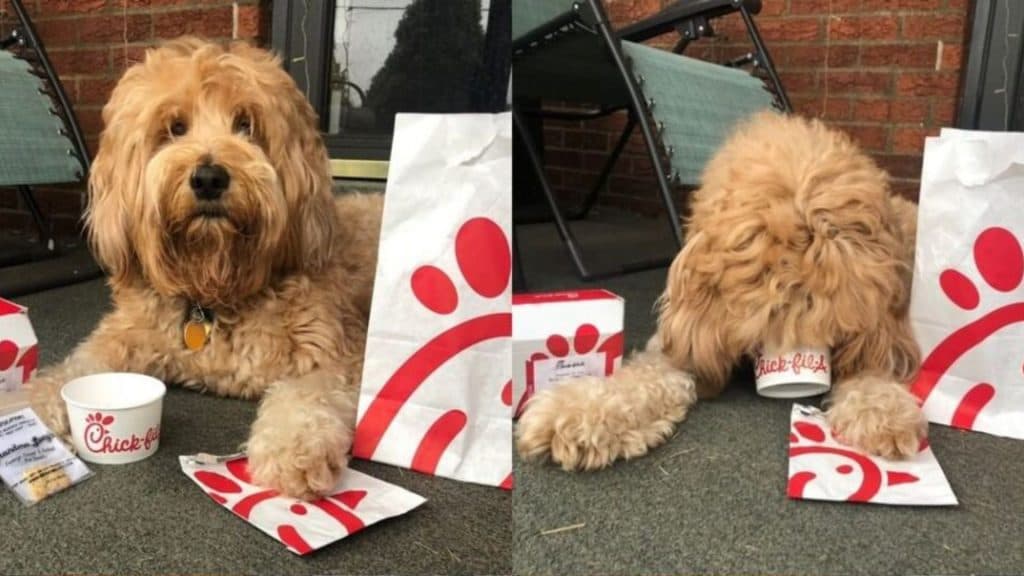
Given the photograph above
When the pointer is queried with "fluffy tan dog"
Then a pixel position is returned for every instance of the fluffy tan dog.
(794, 239)
(211, 192)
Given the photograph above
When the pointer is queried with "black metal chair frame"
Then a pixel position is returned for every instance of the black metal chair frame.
(25, 43)
(692, 20)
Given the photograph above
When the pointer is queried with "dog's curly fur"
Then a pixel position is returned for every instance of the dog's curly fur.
(286, 269)
(794, 239)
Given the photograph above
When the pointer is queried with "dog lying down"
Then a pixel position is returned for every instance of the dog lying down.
(794, 240)
(210, 206)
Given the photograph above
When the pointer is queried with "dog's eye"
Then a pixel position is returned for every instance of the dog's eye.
(178, 128)
(243, 125)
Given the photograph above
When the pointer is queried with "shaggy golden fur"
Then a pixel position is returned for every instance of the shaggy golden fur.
(794, 239)
(286, 269)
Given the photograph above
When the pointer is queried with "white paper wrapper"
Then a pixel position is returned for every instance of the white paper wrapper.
(436, 392)
(355, 503)
(820, 468)
(34, 464)
(967, 305)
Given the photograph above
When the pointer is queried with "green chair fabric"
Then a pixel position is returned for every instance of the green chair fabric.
(528, 15)
(32, 149)
(697, 103)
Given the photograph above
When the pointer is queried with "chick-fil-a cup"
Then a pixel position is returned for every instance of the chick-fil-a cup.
(795, 374)
(114, 416)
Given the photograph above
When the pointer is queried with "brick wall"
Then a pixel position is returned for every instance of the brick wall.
(91, 42)
(890, 69)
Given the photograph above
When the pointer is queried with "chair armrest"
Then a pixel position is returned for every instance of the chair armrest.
(666, 20)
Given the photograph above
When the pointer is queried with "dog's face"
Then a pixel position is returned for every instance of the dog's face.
(211, 178)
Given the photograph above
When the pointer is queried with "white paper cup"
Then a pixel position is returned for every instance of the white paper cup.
(114, 416)
(795, 374)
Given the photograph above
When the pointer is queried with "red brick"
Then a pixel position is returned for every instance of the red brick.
(910, 139)
(944, 111)
(837, 109)
(94, 90)
(821, 7)
(952, 57)
(810, 106)
(627, 11)
(564, 158)
(868, 137)
(909, 189)
(789, 29)
(125, 56)
(902, 55)
(57, 33)
(900, 165)
(75, 5)
(909, 110)
(863, 27)
(875, 110)
(89, 119)
(840, 82)
(80, 61)
(934, 26)
(842, 56)
(773, 7)
(880, 5)
(109, 29)
(799, 56)
(210, 23)
(589, 140)
(927, 84)
(798, 81)
(250, 21)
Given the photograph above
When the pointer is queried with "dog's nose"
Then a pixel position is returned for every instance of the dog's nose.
(209, 181)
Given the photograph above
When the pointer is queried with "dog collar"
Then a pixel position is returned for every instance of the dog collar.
(198, 326)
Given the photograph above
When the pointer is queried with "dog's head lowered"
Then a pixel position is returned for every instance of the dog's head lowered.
(211, 177)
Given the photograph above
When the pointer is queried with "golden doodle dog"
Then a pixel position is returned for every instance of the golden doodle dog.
(794, 239)
(233, 269)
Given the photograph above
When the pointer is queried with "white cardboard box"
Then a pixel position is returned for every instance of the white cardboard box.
(19, 355)
(561, 335)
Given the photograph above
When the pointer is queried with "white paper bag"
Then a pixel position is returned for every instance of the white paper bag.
(967, 305)
(820, 468)
(436, 393)
(357, 501)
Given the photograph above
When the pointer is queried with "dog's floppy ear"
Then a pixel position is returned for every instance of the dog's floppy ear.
(115, 185)
(289, 130)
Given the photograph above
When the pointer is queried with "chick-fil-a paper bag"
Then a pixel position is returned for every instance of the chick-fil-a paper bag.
(967, 303)
(821, 468)
(436, 393)
(356, 502)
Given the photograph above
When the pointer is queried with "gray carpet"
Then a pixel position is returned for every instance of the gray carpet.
(712, 500)
(150, 518)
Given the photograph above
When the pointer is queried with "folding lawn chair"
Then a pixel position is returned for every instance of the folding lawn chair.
(568, 51)
(40, 141)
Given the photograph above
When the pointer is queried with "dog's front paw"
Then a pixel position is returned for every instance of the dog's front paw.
(883, 419)
(45, 400)
(576, 427)
(298, 462)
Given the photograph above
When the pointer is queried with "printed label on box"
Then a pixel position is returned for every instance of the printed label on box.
(550, 371)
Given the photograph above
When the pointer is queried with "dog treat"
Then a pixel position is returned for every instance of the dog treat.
(356, 502)
(34, 464)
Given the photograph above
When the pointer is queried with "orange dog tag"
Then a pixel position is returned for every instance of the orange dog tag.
(197, 329)
(196, 334)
